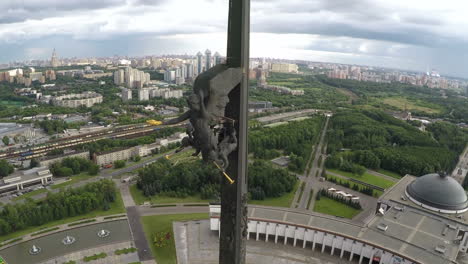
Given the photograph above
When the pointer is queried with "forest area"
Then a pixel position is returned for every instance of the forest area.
(265, 181)
(191, 178)
(57, 206)
(294, 139)
(451, 107)
(316, 93)
(374, 139)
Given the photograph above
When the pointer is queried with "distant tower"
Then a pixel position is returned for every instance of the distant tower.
(199, 62)
(54, 61)
(217, 59)
(208, 59)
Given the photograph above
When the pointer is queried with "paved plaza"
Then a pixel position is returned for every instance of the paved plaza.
(196, 244)
(86, 240)
(108, 249)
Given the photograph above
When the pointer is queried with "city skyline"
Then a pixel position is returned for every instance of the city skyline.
(418, 36)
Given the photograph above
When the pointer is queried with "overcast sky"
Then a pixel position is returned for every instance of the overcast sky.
(407, 34)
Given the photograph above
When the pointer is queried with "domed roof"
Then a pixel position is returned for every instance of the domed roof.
(438, 191)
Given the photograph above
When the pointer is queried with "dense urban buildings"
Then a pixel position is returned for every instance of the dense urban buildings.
(430, 79)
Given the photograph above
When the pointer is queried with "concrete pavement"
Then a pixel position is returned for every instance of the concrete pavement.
(461, 169)
(141, 243)
(126, 196)
(197, 244)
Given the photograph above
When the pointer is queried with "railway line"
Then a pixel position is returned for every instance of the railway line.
(61, 143)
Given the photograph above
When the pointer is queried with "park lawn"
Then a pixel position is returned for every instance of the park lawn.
(331, 207)
(163, 223)
(30, 194)
(11, 103)
(74, 179)
(183, 156)
(403, 103)
(139, 198)
(283, 201)
(389, 173)
(276, 124)
(367, 178)
(301, 118)
(377, 193)
(116, 207)
(130, 163)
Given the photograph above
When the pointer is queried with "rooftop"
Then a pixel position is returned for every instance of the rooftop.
(396, 194)
(20, 176)
(408, 233)
(439, 192)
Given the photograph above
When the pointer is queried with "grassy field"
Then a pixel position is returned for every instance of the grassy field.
(301, 118)
(332, 207)
(74, 179)
(367, 178)
(163, 223)
(130, 163)
(139, 198)
(403, 103)
(116, 207)
(282, 201)
(11, 103)
(389, 173)
(377, 193)
(183, 156)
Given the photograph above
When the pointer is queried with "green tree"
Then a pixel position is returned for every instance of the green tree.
(6, 140)
(5, 227)
(93, 169)
(118, 164)
(5, 168)
(33, 163)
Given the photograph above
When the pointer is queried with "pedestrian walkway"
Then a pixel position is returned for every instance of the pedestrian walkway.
(59, 228)
(141, 243)
(109, 250)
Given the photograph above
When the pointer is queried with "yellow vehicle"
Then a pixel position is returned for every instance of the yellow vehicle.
(153, 122)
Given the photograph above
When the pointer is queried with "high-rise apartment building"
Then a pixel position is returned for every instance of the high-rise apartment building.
(216, 59)
(50, 74)
(143, 94)
(119, 77)
(190, 70)
(131, 78)
(199, 63)
(35, 76)
(126, 94)
(284, 67)
(207, 59)
(170, 75)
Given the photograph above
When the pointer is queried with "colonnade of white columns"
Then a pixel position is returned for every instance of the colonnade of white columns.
(336, 242)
